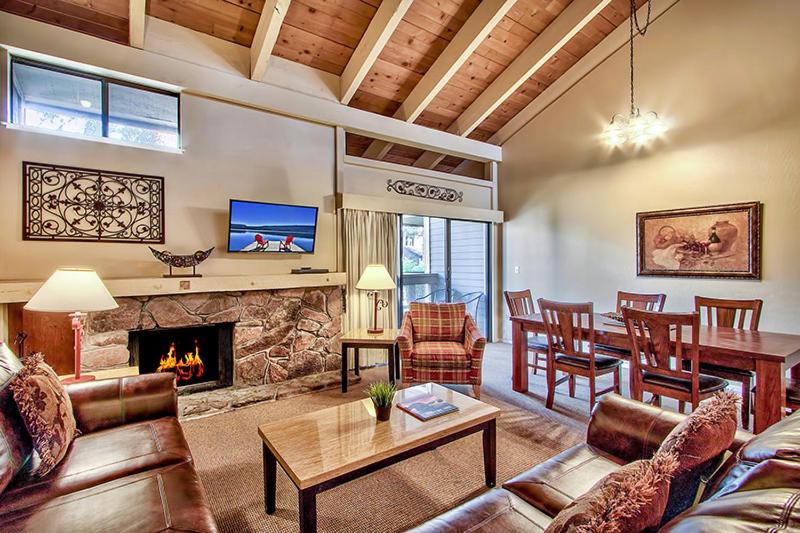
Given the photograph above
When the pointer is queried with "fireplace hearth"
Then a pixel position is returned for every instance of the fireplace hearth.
(199, 356)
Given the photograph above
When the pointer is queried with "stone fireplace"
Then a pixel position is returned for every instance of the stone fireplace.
(276, 335)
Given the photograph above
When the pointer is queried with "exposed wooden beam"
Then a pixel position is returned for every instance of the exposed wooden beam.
(136, 16)
(269, 25)
(613, 42)
(469, 37)
(380, 29)
(539, 52)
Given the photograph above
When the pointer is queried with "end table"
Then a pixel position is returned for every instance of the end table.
(360, 338)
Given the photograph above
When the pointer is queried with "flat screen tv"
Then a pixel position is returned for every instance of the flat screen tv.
(257, 227)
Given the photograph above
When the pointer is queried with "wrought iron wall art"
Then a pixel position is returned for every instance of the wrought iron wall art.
(80, 204)
(422, 190)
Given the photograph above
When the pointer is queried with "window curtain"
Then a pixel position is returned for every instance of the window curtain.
(368, 237)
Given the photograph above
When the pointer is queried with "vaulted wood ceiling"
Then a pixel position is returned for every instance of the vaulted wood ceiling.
(324, 34)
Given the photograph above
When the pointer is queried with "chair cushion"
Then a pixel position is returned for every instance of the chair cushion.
(630, 500)
(438, 322)
(707, 383)
(165, 499)
(552, 485)
(711, 369)
(15, 443)
(537, 345)
(46, 410)
(439, 354)
(600, 361)
(495, 511)
(100, 457)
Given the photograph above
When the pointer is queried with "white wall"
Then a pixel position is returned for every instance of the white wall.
(230, 152)
(726, 74)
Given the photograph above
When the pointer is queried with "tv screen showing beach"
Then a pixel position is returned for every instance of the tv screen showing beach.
(260, 228)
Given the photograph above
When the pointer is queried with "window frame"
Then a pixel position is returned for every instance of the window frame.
(104, 95)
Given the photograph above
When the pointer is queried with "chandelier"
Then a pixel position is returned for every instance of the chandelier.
(637, 128)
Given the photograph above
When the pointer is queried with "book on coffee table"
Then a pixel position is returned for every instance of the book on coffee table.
(427, 406)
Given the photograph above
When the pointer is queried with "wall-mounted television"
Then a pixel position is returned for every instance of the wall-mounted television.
(258, 227)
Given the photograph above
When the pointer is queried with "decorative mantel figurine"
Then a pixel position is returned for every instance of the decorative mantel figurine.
(182, 261)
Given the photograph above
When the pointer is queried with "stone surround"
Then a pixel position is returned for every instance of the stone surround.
(278, 334)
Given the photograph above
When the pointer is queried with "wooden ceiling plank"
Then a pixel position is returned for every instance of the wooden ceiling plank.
(561, 30)
(300, 46)
(380, 29)
(269, 25)
(469, 37)
(136, 18)
(57, 17)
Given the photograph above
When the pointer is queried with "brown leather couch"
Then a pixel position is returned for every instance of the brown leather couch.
(757, 488)
(129, 470)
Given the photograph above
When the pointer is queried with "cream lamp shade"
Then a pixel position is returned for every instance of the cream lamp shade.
(375, 278)
(72, 289)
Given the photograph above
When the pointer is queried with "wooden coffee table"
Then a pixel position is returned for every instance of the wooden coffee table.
(327, 448)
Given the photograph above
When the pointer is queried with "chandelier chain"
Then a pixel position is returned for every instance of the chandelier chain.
(634, 24)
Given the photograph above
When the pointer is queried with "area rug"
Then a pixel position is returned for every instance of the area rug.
(227, 452)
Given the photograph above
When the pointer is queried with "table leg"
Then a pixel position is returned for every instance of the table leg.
(397, 374)
(270, 464)
(390, 360)
(308, 510)
(357, 368)
(770, 394)
(490, 453)
(345, 364)
(519, 357)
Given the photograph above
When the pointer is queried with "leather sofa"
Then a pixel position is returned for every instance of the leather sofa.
(129, 470)
(756, 488)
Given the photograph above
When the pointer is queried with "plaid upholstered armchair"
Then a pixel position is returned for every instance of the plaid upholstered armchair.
(441, 343)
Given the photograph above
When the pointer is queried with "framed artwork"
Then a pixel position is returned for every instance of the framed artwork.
(722, 241)
(80, 204)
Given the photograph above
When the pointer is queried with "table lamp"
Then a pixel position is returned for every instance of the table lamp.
(375, 278)
(76, 291)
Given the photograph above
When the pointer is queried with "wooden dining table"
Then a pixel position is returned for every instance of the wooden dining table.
(768, 354)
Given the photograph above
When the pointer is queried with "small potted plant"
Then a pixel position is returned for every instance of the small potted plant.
(382, 394)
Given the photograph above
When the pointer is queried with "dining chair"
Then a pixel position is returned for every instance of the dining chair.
(572, 351)
(635, 300)
(657, 365)
(521, 303)
(725, 313)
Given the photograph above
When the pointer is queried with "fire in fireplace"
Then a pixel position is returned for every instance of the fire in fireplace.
(199, 356)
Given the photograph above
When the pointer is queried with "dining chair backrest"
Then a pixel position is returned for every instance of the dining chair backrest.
(724, 313)
(564, 323)
(650, 337)
(519, 302)
(648, 302)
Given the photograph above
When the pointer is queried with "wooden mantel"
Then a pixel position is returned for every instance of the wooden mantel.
(22, 291)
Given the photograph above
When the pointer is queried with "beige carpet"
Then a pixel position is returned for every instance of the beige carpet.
(227, 451)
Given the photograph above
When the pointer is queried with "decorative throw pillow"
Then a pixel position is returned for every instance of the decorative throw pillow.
(705, 433)
(630, 500)
(46, 410)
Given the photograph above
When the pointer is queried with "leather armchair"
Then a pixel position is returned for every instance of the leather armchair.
(441, 343)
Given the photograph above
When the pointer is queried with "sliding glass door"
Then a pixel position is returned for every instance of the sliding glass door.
(446, 261)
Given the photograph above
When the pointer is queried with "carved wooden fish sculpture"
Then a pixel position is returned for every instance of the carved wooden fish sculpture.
(181, 261)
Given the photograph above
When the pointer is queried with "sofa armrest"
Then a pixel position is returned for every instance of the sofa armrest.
(109, 403)
(405, 340)
(474, 341)
(628, 429)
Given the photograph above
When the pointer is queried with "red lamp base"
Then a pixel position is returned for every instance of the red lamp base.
(82, 379)
(375, 331)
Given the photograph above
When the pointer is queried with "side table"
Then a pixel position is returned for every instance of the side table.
(360, 338)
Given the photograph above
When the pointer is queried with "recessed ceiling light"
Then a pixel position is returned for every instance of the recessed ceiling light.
(86, 103)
